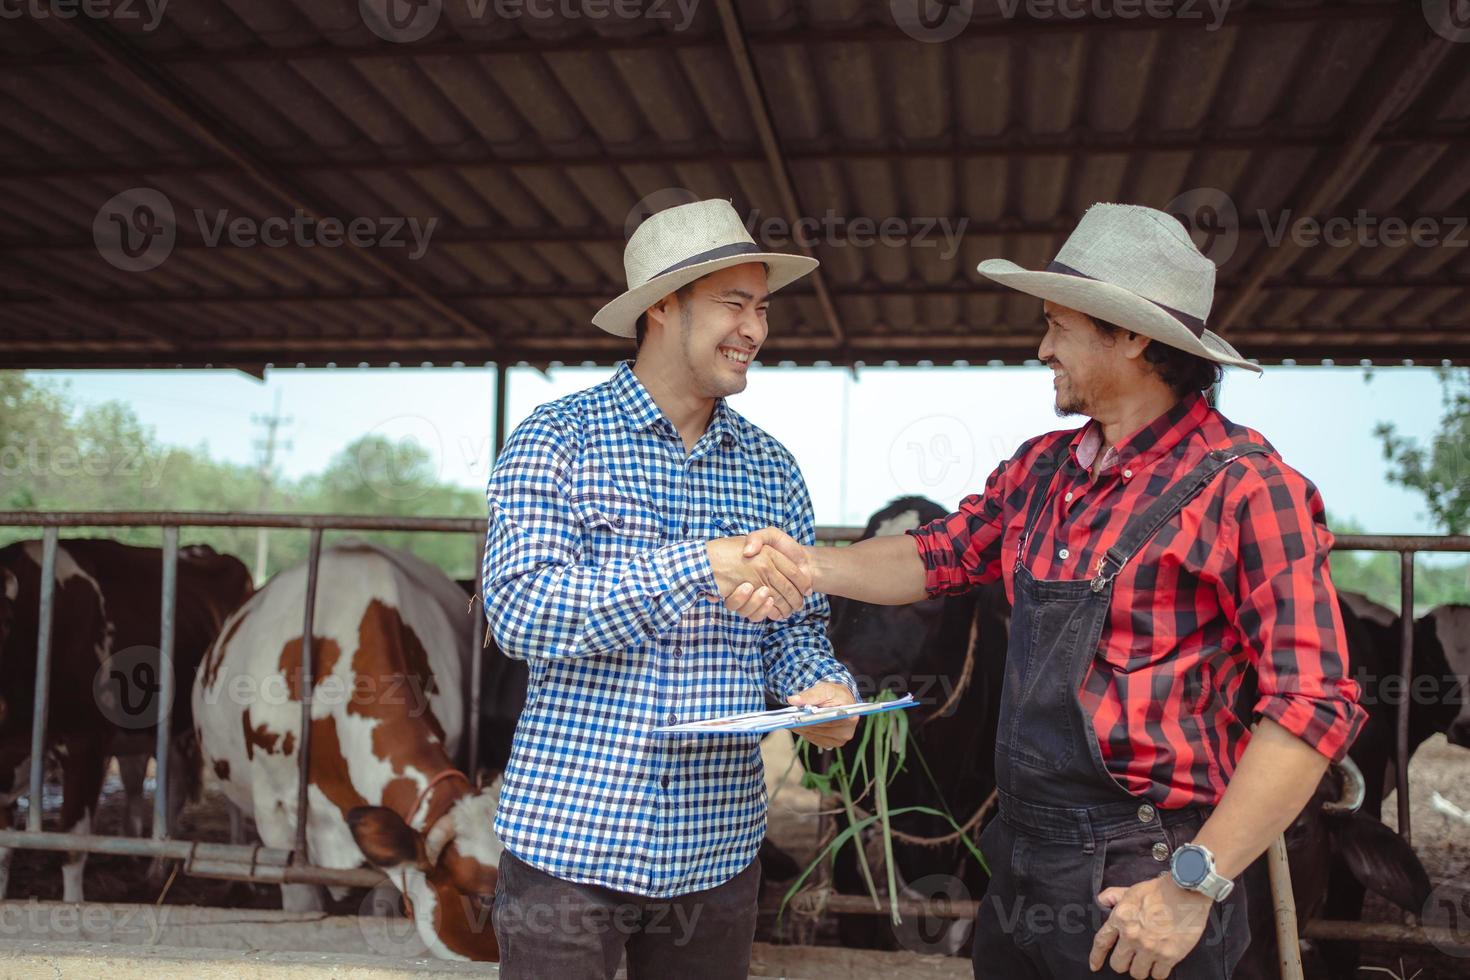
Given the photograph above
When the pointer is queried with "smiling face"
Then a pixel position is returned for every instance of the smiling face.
(706, 336)
(1090, 369)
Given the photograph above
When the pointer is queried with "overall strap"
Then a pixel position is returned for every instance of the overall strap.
(1143, 527)
(1052, 462)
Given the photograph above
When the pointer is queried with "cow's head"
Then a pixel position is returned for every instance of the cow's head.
(447, 874)
(878, 642)
(1449, 626)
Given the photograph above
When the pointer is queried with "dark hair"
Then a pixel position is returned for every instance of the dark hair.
(1179, 369)
(640, 329)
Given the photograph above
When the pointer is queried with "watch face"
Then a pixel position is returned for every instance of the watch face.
(1190, 867)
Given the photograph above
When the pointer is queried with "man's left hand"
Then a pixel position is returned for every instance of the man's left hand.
(829, 734)
(1154, 924)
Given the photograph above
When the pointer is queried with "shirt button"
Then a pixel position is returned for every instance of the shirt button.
(1145, 813)
(1064, 554)
(617, 522)
(673, 719)
(664, 782)
(1127, 474)
(686, 527)
(1069, 496)
(678, 650)
(1161, 851)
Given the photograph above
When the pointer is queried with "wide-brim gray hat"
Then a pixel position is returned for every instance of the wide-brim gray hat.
(676, 246)
(1136, 268)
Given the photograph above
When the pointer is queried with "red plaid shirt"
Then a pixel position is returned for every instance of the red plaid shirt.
(1239, 578)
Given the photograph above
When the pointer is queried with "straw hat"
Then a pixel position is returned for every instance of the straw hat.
(679, 245)
(1136, 268)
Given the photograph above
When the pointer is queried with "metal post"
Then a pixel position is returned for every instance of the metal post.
(1406, 671)
(477, 658)
(305, 679)
(502, 382)
(43, 677)
(166, 617)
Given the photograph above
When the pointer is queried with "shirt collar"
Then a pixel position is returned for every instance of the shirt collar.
(1144, 446)
(642, 412)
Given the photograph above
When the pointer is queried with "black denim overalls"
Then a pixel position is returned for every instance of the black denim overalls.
(1067, 829)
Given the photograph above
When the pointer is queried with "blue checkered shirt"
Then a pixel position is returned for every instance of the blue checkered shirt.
(596, 575)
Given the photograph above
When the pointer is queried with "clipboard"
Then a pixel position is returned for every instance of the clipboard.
(796, 716)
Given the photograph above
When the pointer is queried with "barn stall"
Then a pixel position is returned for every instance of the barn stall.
(526, 138)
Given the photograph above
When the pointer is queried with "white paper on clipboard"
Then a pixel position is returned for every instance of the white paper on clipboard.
(793, 717)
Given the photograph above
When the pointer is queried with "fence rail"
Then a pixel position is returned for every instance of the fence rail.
(265, 864)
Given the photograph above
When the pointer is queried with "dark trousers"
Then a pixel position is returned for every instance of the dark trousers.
(1039, 915)
(550, 929)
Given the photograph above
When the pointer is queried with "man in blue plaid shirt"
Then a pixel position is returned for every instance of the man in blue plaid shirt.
(614, 568)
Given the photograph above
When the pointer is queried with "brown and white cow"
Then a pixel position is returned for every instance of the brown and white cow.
(105, 640)
(390, 641)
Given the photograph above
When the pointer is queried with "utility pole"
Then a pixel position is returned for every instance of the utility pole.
(266, 471)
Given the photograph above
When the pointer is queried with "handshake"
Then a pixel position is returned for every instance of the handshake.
(763, 575)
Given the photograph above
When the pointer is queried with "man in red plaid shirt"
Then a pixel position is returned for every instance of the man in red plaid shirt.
(1152, 557)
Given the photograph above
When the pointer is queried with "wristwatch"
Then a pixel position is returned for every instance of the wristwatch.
(1193, 868)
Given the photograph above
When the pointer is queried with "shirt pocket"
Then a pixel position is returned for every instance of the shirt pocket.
(616, 527)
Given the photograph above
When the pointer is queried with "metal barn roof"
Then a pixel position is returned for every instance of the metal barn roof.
(526, 130)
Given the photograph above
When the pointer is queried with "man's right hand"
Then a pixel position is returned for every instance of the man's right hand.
(764, 586)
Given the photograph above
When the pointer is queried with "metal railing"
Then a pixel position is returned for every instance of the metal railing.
(258, 863)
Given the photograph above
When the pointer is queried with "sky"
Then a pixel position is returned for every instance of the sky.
(860, 441)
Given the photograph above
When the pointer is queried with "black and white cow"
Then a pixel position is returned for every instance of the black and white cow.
(105, 621)
(391, 646)
(950, 652)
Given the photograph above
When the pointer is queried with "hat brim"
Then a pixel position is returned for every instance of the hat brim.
(1117, 306)
(620, 317)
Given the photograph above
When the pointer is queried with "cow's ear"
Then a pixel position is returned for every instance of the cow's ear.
(1381, 860)
(384, 839)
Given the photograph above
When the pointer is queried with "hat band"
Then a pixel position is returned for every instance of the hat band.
(722, 252)
(1194, 324)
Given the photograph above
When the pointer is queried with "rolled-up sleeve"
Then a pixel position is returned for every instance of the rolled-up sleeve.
(963, 550)
(795, 652)
(1285, 608)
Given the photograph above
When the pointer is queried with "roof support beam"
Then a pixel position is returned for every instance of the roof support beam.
(755, 98)
(911, 290)
(1338, 166)
(236, 146)
(992, 148)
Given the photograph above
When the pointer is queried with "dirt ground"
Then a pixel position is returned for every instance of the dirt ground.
(1443, 845)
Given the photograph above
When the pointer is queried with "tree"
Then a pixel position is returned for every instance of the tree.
(103, 459)
(1440, 471)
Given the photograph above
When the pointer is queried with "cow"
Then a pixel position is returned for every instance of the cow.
(1436, 704)
(1337, 847)
(950, 653)
(104, 657)
(390, 645)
